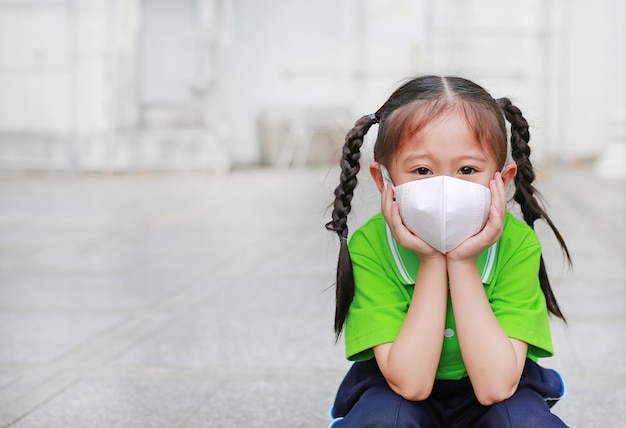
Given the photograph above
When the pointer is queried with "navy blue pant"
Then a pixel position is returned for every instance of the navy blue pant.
(365, 400)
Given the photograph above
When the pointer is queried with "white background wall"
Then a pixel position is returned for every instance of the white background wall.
(73, 76)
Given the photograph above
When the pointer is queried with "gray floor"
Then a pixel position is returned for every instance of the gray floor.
(202, 301)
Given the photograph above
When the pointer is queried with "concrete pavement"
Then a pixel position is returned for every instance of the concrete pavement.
(190, 300)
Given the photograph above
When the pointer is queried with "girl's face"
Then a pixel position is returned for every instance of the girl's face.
(445, 146)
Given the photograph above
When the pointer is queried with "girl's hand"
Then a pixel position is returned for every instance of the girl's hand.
(399, 231)
(471, 248)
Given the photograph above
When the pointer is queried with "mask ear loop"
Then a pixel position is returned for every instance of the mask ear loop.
(386, 176)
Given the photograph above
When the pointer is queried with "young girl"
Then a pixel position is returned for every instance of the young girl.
(443, 297)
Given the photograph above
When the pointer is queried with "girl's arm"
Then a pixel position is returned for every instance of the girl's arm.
(494, 362)
(409, 363)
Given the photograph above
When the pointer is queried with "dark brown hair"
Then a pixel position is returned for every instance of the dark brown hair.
(409, 108)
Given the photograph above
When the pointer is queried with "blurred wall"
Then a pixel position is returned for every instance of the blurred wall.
(111, 85)
(207, 84)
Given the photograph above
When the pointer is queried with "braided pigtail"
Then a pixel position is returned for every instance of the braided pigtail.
(350, 166)
(527, 196)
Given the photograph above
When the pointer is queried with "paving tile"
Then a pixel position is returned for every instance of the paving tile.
(121, 403)
(604, 299)
(265, 404)
(600, 345)
(6, 379)
(236, 340)
(82, 291)
(593, 407)
(43, 337)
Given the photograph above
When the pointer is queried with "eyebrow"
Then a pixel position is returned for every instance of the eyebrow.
(417, 157)
(476, 157)
(472, 157)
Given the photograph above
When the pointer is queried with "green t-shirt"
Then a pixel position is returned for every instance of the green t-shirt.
(385, 272)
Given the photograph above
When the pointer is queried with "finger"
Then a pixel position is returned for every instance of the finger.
(501, 189)
(387, 201)
(393, 217)
(396, 220)
(391, 212)
(495, 224)
(498, 194)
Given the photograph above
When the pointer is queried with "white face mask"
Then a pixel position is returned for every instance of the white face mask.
(444, 211)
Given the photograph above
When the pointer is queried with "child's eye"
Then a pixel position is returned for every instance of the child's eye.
(423, 171)
(466, 170)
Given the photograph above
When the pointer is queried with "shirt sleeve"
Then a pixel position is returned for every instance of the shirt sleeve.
(380, 304)
(515, 294)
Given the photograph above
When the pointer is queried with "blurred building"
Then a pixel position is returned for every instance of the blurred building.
(126, 85)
